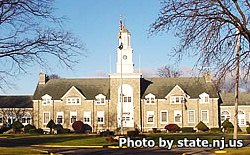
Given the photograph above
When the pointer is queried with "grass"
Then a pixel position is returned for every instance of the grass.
(11, 151)
(93, 140)
(65, 139)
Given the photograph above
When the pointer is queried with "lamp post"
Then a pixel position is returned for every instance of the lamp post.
(121, 94)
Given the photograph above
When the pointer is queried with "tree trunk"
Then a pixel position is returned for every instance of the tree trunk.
(236, 97)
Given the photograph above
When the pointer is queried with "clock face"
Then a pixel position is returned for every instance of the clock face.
(125, 57)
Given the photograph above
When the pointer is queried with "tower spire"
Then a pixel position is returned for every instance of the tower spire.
(121, 24)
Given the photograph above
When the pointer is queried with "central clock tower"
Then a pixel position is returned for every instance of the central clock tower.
(124, 52)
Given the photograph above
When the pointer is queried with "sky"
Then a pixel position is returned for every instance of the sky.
(96, 23)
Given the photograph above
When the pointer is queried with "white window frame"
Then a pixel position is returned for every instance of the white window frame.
(241, 117)
(25, 118)
(207, 116)
(203, 98)
(180, 98)
(73, 113)
(61, 113)
(46, 100)
(100, 99)
(46, 112)
(228, 116)
(163, 122)
(176, 112)
(100, 114)
(150, 114)
(150, 99)
(189, 116)
(73, 101)
(87, 114)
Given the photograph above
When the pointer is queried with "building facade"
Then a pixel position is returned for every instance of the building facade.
(125, 99)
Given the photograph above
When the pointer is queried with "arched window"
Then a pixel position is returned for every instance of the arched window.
(225, 115)
(241, 118)
(127, 92)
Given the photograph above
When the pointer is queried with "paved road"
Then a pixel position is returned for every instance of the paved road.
(137, 151)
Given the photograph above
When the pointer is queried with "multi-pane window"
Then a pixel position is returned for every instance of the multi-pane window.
(73, 116)
(150, 98)
(86, 117)
(164, 117)
(73, 100)
(46, 117)
(126, 99)
(241, 118)
(23, 120)
(177, 99)
(59, 117)
(46, 99)
(204, 98)
(100, 117)
(177, 116)
(204, 116)
(150, 117)
(225, 115)
(100, 101)
(191, 116)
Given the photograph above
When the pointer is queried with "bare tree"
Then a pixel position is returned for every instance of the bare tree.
(32, 34)
(168, 71)
(54, 76)
(213, 30)
(14, 113)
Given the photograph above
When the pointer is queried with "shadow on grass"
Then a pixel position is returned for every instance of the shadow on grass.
(42, 140)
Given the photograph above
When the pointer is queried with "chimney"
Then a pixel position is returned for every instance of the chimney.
(42, 79)
(207, 76)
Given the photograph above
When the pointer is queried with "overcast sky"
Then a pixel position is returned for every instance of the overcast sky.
(96, 23)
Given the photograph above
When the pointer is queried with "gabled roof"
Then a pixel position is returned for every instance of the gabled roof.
(16, 102)
(89, 87)
(228, 99)
(193, 86)
(74, 88)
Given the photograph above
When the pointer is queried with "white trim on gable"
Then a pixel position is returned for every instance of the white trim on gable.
(100, 99)
(150, 99)
(100, 96)
(204, 98)
(46, 99)
(73, 87)
(150, 95)
(177, 87)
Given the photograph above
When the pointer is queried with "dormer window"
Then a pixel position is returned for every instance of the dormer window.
(100, 99)
(73, 100)
(46, 99)
(150, 98)
(177, 99)
(204, 98)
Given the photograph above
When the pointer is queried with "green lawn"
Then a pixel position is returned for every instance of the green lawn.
(64, 139)
(11, 151)
(93, 140)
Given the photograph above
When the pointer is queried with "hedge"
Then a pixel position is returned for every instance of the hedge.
(172, 128)
(188, 130)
